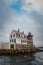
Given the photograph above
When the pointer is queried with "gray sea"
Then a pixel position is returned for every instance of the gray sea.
(23, 59)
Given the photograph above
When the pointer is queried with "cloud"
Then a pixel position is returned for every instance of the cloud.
(30, 5)
(38, 19)
(5, 12)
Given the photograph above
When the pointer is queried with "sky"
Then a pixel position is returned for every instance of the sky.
(27, 15)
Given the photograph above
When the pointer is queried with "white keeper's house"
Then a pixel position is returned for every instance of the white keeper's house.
(18, 40)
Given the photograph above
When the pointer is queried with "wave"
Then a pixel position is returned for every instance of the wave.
(39, 56)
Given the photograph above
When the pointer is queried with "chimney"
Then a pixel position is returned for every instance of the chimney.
(18, 30)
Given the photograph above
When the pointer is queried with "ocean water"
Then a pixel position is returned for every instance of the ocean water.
(23, 59)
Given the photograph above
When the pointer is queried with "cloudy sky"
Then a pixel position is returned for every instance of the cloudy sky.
(27, 15)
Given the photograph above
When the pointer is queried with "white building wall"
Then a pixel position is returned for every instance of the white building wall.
(0, 46)
(12, 43)
(18, 41)
(5, 46)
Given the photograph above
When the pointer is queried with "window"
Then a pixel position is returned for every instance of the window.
(14, 35)
(14, 40)
(19, 35)
(11, 36)
(10, 40)
(24, 36)
(12, 46)
(23, 41)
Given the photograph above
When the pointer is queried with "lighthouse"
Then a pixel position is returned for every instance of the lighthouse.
(30, 38)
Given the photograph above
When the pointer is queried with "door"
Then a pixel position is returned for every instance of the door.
(12, 46)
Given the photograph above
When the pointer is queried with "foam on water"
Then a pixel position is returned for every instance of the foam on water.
(39, 56)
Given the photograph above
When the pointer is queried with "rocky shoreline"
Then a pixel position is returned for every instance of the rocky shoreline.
(13, 52)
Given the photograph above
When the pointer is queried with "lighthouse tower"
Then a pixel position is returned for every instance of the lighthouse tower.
(30, 38)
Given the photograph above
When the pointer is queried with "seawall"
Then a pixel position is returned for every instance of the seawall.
(13, 52)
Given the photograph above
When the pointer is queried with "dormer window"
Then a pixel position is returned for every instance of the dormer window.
(24, 36)
(14, 35)
(19, 35)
